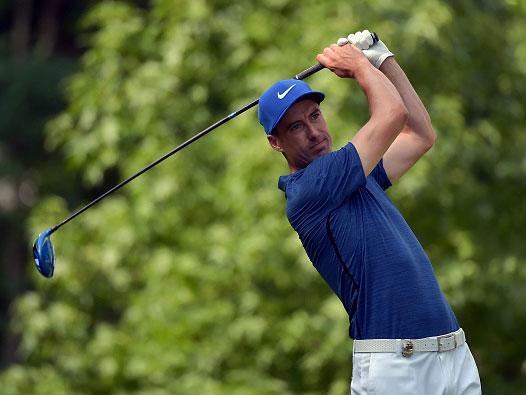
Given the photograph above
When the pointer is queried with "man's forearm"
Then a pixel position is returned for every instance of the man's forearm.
(388, 117)
(418, 121)
(381, 93)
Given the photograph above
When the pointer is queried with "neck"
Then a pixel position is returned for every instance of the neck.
(294, 168)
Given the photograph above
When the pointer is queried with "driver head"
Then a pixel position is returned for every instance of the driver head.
(44, 254)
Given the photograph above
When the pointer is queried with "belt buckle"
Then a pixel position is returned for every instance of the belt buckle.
(407, 348)
(446, 337)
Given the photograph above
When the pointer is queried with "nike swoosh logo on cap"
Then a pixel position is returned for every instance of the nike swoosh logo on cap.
(282, 95)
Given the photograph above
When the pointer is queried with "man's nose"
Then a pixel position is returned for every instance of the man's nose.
(312, 132)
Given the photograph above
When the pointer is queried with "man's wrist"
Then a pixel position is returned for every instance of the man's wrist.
(365, 69)
(387, 64)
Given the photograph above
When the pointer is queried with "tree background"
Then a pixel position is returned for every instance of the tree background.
(190, 280)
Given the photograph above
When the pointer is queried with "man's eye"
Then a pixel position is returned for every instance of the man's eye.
(295, 127)
(315, 115)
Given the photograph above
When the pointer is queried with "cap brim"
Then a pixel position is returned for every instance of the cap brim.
(316, 96)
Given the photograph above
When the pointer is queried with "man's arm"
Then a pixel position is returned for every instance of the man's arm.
(417, 136)
(388, 112)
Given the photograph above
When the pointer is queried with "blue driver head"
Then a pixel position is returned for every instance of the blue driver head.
(44, 254)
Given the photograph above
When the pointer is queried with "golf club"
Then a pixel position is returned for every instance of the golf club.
(43, 251)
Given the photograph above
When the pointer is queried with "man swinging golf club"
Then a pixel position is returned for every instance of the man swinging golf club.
(406, 337)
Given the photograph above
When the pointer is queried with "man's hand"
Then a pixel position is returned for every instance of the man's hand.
(344, 61)
(376, 53)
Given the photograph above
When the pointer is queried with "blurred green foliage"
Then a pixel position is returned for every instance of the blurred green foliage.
(30, 94)
(190, 280)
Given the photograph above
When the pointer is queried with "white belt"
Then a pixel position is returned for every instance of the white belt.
(408, 346)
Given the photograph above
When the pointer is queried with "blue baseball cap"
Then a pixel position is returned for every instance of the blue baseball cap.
(274, 103)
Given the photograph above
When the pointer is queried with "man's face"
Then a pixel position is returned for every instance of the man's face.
(302, 134)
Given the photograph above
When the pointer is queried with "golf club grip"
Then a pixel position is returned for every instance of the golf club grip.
(317, 67)
(310, 71)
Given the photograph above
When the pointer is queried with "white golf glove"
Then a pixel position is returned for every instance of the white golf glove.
(376, 53)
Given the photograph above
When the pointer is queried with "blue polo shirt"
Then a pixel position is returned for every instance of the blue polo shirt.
(363, 248)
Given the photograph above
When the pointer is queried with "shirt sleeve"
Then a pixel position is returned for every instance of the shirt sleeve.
(380, 176)
(334, 177)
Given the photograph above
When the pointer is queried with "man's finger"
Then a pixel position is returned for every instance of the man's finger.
(321, 58)
(342, 41)
(368, 38)
(352, 38)
(361, 40)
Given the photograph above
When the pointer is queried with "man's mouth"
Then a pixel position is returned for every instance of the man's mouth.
(317, 145)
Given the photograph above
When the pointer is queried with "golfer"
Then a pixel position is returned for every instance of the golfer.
(406, 337)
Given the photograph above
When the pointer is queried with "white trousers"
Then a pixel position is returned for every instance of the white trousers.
(424, 373)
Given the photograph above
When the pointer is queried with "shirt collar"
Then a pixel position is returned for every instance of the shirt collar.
(282, 182)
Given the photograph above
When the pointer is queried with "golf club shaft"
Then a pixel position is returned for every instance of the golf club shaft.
(308, 72)
(304, 74)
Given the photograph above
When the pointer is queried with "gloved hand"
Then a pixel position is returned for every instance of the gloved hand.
(376, 53)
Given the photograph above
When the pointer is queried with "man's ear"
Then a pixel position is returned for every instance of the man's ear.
(274, 142)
